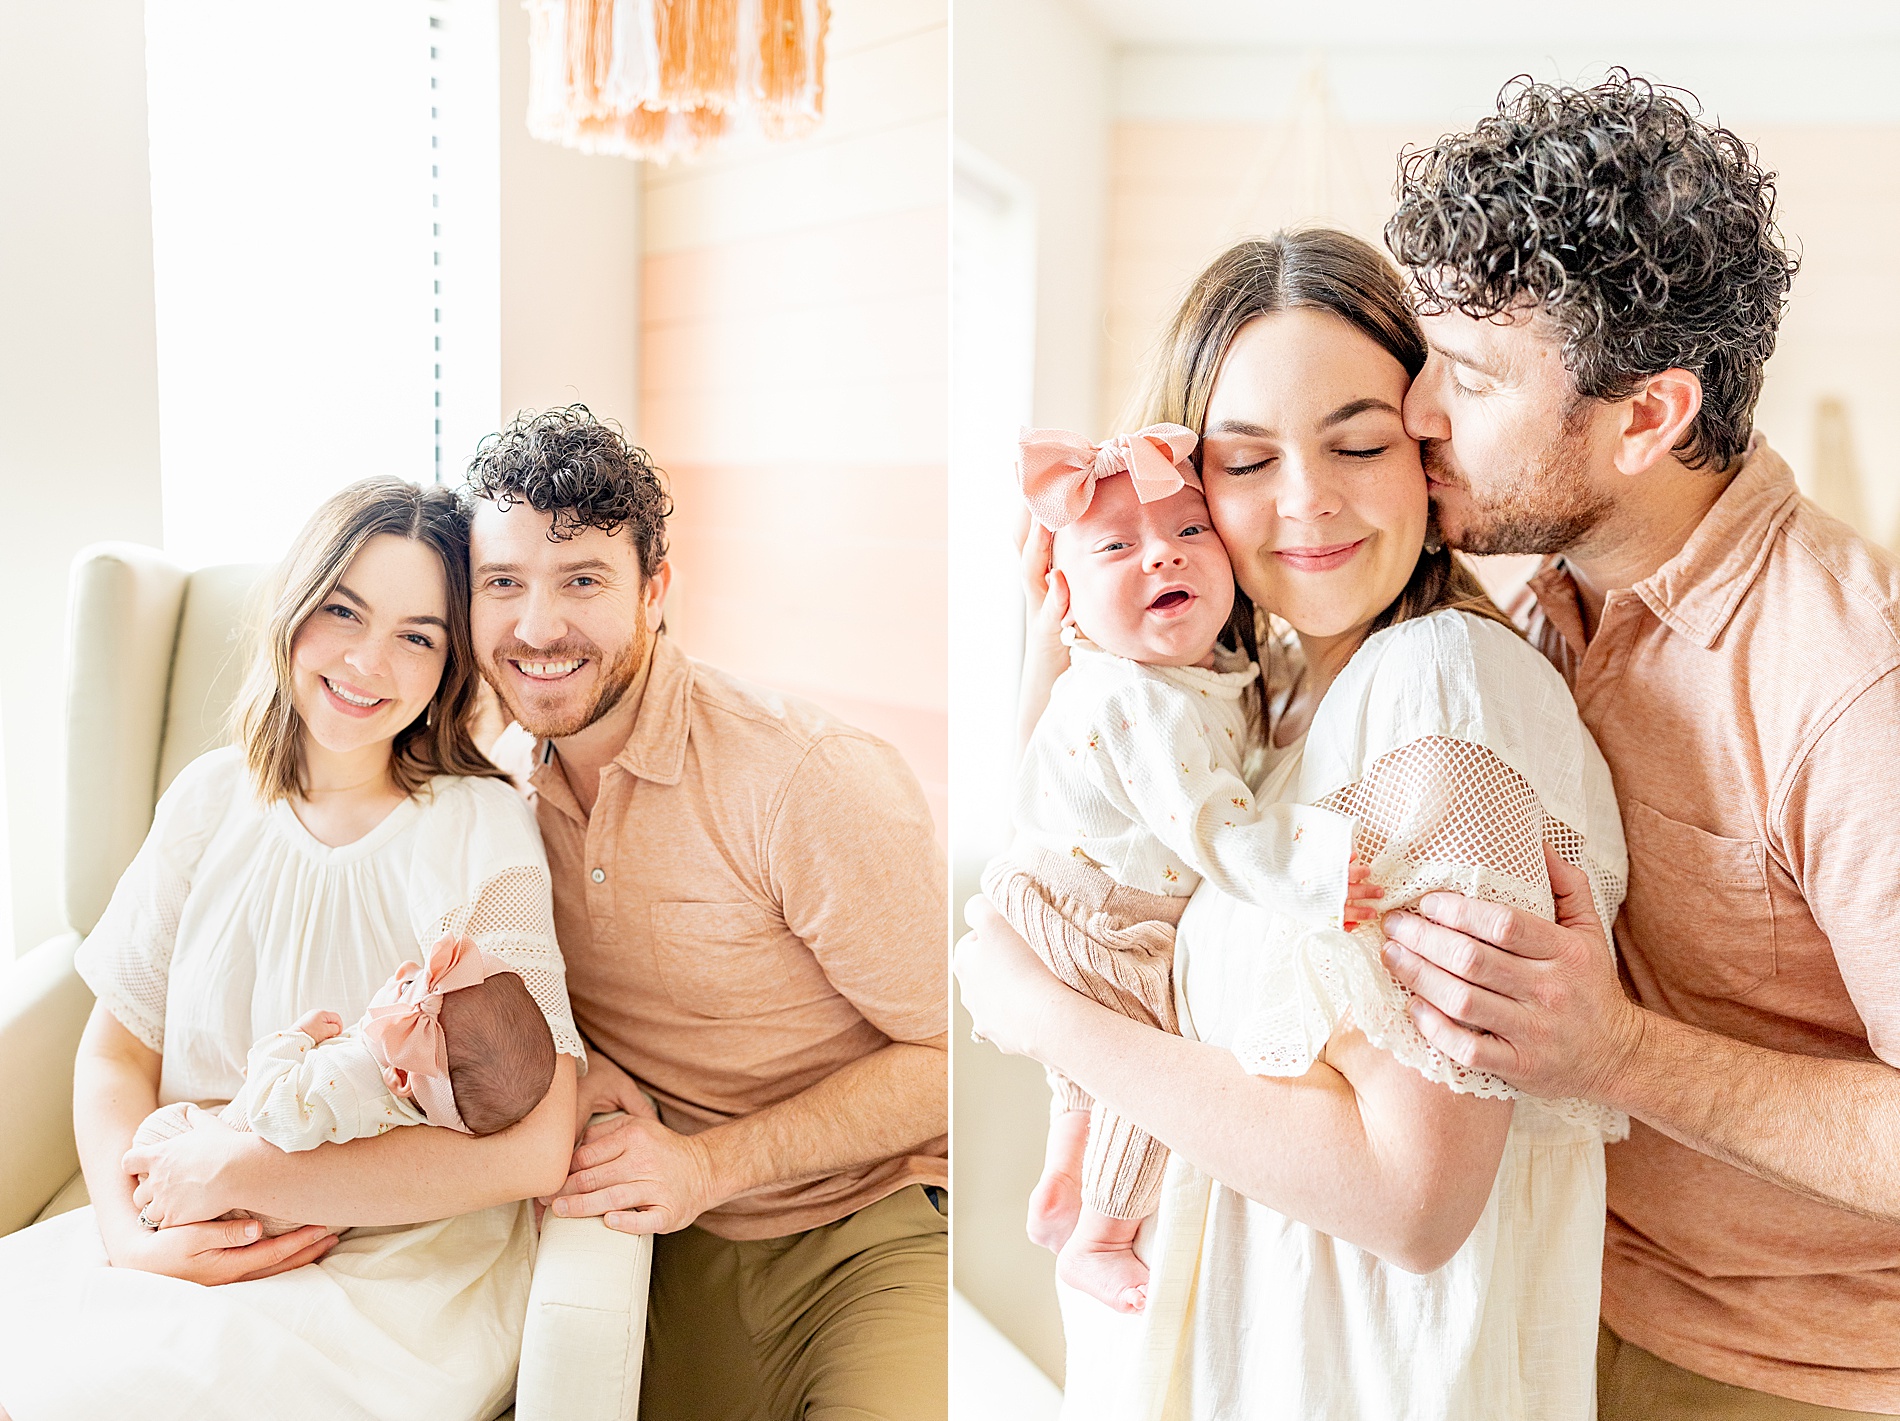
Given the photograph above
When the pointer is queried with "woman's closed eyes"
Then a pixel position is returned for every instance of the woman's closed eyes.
(1368, 453)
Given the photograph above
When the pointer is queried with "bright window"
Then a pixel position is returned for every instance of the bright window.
(305, 168)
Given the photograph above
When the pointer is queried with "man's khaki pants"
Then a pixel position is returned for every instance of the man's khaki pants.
(1634, 1385)
(846, 1322)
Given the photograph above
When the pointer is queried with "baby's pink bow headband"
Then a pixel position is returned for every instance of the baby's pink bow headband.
(1058, 470)
(403, 1031)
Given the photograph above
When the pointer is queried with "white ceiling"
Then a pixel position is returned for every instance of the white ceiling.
(1486, 23)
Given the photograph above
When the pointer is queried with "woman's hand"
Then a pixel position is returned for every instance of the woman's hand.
(1044, 656)
(606, 1088)
(185, 1177)
(1005, 987)
(225, 1251)
(1362, 894)
(1046, 591)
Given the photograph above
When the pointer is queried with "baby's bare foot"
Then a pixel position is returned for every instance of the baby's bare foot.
(1054, 1205)
(1108, 1272)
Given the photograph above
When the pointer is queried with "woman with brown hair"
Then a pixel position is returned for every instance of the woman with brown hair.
(1352, 1225)
(352, 825)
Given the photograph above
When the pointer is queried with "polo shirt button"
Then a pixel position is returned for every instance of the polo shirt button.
(599, 875)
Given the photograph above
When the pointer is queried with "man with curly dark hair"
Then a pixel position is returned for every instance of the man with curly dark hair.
(1600, 279)
(751, 905)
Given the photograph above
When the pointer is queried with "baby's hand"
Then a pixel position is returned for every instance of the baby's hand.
(1361, 894)
(320, 1026)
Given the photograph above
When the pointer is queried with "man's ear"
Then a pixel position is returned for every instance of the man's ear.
(1660, 413)
(653, 596)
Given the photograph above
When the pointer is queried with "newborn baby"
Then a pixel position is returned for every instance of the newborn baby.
(458, 1043)
(1130, 795)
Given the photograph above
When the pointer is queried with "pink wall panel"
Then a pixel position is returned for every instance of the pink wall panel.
(793, 387)
(864, 260)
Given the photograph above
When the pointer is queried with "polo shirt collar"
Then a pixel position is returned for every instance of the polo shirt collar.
(550, 785)
(656, 747)
(1697, 591)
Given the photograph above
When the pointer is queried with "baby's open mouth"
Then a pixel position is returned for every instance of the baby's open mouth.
(1168, 601)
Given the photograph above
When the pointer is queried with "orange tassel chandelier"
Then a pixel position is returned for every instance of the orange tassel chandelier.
(664, 79)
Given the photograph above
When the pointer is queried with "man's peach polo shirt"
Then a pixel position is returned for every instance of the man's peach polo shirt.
(756, 900)
(1747, 698)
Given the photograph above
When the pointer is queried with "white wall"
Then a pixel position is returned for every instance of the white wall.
(78, 379)
(1033, 92)
(570, 263)
(1034, 87)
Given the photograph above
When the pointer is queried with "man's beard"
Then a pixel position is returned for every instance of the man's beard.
(615, 674)
(1548, 509)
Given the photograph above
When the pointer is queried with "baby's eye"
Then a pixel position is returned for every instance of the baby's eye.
(1192, 529)
(1113, 547)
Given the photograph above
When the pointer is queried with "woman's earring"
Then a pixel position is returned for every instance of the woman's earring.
(1434, 544)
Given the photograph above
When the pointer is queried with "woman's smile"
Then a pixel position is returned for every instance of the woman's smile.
(1321, 558)
(347, 699)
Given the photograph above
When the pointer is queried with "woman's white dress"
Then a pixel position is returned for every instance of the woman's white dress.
(1473, 742)
(232, 922)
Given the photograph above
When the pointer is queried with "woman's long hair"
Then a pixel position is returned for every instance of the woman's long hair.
(264, 720)
(1315, 268)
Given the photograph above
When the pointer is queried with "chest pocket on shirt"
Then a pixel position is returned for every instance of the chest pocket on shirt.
(1699, 907)
(729, 960)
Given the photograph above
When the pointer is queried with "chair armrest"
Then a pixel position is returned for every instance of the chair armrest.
(586, 1332)
(43, 1010)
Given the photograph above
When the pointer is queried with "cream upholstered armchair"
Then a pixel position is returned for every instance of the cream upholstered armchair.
(154, 659)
